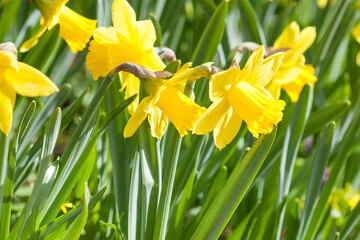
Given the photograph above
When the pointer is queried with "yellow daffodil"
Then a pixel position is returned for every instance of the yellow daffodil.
(128, 41)
(65, 206)
(293, 74)
(240, 95)
(166, 101)
(356, 34)
(75, 29)
(20, 78)
(345, 199)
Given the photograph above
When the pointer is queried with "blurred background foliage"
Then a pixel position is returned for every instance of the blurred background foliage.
(317, 146)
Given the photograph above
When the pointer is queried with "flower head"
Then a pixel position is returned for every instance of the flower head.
(128, 41)
(20, 78)
(166, 101)
(75, 29)
(293, 74)
(240, 95)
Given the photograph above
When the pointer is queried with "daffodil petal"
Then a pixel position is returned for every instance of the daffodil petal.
(132, 88)
(105, 35)
(256, 57)
(152, 61)
(147, 35)
(8, 60)
(288, 37)
(356, 32)
(266, 71)
(210, 118)
(227, 128)
(158, 122)
(7, 102)
(274, 88)
(220, 82)
(286, 75)
(30, 82)
(124, 18)
(75, 29)
(306, 39)
(136, 119)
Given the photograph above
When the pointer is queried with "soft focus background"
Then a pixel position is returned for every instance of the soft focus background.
(315, 154)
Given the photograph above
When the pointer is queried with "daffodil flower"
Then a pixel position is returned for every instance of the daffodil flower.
(128, 41)
(166, 101)
(240, 95)
(75, 29)
(20, 78)
(293, 74)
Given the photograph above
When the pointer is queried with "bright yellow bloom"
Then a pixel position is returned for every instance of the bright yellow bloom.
(166, 101)
(20, 78)
(240, 95)
(293, 74)
(75, 29)
(322, 3)
(356, 34)
(128, 41)
(65, 206)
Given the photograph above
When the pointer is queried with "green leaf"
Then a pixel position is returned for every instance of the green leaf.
(293, 138)
(39, 55)
(212, 35)
(74, 231)
(351, 222)
(234, 190)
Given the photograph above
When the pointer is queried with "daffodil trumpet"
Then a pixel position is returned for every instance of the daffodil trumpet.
(75, 29)
(18, 78)
(240, 95)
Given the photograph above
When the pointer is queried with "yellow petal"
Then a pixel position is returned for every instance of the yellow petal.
(158, 122)
(8, 60)
(132, 87)
(136, 119)
(124, 19)
(358, 59)
(356, 32)
(274, 88)
(266, 71)
(181, 111)
(75, 29)
(227, 128)
(288, 37)
(305, 40)
(7, 102)
(256, 57)
(258, 110)
(105, 35)
(152, 61)
(147, 35)
(294, 88)
(286, 75)
(221, 82)
(103, 57)
(210, 118)
(30, 82)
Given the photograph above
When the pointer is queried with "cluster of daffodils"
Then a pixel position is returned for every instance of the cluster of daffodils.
(249, 95)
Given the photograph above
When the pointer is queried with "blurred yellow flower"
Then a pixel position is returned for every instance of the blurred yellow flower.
(75, 29)
(65, 206)
(293, 74)
(128, 41)
(356, 34)
(166, 101)
(240, 95)
(345, 199)
(20, 78)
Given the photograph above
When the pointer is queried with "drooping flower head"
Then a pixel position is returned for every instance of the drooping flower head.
(20, 78)
(128, 41)
(239, 95)
(75, 29)
(293, 74)
(166, 101)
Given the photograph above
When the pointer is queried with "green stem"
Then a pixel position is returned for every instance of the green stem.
(6, 187)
